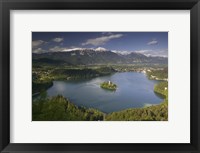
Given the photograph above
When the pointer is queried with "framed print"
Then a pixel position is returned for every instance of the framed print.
(99, 76)
(94, 77)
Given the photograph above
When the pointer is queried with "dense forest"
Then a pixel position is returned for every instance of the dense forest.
(61, 109)
(151, 113)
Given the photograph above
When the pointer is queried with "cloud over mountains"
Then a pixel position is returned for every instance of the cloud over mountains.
(101, 40)
(153, 42)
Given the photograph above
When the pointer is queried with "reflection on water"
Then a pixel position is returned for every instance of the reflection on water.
(133, 90)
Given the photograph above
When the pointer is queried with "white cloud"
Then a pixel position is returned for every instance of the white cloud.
(162, 53)
(57, 49)
(37, 43)
(153, 42)
(143, 51)
(101, 40)
(58, 40)
(39, 51)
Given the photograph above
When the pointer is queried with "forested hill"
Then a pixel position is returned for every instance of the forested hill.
(61, 109)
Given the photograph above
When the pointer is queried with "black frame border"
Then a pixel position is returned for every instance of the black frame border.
(7, 5)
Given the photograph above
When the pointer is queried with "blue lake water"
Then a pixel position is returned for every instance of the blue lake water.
(133, 90)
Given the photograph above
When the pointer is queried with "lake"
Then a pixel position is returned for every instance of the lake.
(133, 90)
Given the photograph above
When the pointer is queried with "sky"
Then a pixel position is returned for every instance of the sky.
(148, 43)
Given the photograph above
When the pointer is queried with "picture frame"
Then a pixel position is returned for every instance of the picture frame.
(7, 5)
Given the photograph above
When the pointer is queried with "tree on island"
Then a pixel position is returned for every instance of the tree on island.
(108, 85)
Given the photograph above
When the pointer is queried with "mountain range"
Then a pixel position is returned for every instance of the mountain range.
(89, 56)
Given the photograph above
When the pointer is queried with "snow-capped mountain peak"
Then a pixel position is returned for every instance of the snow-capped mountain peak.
(77, 49)
(122, 52)
(101, 49)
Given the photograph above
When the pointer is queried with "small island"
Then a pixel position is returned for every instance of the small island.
(109, 85)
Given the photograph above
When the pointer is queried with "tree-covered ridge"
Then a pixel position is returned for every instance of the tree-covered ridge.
(84, 73)
(162, 88)
(152, 113)
(61, 109)
(108, 85)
